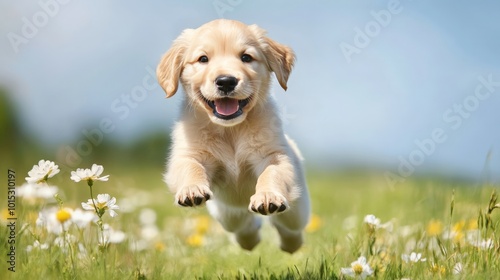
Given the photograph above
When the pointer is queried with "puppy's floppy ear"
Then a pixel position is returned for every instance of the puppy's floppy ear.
(280, 58)
(171, 64)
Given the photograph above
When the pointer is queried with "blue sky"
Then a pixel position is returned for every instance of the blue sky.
(375, 81)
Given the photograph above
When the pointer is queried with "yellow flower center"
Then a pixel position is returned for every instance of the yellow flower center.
(101, 205)
(63, 215)
(358, 269)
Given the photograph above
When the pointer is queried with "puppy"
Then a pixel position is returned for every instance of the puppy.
(228, 148)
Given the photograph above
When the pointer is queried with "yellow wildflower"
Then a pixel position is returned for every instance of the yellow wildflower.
(6, 214)
(459, 226)
(159, 246)
(195, 240)
(434, 228)
(202, 224)
(437, 269)
(458, 231)
(472, 224)
(314, 224)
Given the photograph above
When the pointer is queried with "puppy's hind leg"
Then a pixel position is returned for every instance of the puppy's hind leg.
(239, 221)
(291, 224)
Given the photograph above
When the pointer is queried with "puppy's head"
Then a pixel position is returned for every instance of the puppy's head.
(225, 68)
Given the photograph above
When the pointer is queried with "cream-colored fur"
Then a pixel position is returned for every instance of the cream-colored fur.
(240, 165)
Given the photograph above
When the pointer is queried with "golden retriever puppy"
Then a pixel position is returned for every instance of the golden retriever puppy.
(229, 149)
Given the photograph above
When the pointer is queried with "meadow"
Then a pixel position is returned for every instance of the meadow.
(423, 228)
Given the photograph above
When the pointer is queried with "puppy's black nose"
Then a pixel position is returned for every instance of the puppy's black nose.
(226, 84)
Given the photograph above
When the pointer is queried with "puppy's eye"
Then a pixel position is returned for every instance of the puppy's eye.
(203, 59)
(246, 58)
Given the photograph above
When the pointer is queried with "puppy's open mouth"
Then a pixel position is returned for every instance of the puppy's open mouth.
(227, 108)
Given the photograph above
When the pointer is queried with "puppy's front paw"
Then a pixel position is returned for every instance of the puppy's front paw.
(193, 195)
(267, 203)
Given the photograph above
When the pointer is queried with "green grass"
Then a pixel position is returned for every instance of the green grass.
(190, 245)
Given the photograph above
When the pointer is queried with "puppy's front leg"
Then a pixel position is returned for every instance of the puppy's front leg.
(187, 178)
(276, 185)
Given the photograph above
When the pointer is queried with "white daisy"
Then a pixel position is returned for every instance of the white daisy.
(102, 203)
(37, 245)
(54, 220)
(63, 241)
(111, 236)
(359, 269)
(458, 268)
(44, 170)
(35, 191)
(82, 219)
(150, 232)
(350, 223)
(147, 216)
(67, 241)
(413, 257)
(483, 244)
(372, 222)
(138, 245)
(89, 175)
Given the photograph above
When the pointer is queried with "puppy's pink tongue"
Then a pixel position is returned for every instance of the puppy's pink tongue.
(226, 106)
